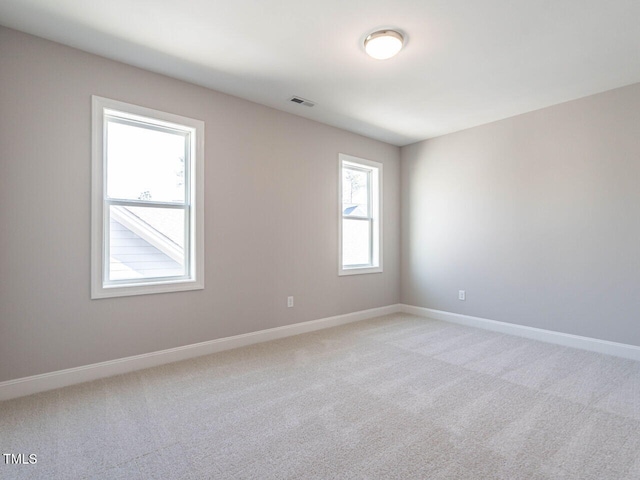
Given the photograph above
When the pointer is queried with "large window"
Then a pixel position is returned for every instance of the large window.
(147, 201)
(360, 216)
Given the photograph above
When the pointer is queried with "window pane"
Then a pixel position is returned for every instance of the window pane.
(355, 192)
(146, 242)
(145, 164)
(356, 242)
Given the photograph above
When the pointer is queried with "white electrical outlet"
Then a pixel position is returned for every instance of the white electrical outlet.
(462, 295)
(289, 302)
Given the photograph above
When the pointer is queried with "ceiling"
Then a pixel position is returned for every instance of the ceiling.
(465, 62)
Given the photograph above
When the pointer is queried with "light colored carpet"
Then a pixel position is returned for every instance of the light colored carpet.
(394, 397)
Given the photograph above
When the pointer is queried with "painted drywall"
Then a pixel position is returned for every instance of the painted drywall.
(536, 217)
(271, 216)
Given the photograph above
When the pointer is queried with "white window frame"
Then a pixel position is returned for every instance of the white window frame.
(375, 214)
(194, 210)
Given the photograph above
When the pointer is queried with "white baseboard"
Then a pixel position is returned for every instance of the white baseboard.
(62, 378)
(585, 343)
(48, 381)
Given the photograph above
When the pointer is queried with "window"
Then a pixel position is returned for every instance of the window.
(360, 216)
(147, 201)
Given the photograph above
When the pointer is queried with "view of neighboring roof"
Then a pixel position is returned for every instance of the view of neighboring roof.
(134, 257)
(162, 221)
(146, 242)
(355, 210)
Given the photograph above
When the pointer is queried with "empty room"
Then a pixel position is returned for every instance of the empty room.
(320, 240)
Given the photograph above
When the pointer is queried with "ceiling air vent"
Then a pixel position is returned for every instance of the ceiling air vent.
(302, 101)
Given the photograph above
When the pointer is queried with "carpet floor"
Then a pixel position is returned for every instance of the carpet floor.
(394, 397)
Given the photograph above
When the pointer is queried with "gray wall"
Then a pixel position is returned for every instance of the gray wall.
(537, 217)
(271, 216)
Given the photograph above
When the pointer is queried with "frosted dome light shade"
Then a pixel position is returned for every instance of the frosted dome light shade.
(383, 44)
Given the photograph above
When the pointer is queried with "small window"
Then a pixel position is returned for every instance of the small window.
(147, 201)
(360, 216)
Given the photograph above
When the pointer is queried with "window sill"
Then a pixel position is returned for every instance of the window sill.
(146, 289)
(359, 271)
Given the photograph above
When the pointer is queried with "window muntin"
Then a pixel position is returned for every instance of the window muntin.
(147, 227)
(360, 216)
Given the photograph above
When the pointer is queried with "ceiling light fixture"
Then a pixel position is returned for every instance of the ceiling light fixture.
(383, 44)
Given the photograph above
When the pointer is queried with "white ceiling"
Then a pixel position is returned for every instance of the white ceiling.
(466, 62)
